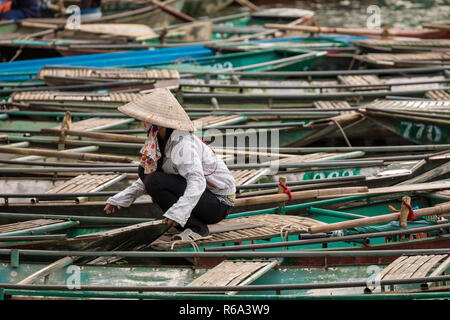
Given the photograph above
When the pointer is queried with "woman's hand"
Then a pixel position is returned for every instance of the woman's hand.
(109, 208)
(172, 223)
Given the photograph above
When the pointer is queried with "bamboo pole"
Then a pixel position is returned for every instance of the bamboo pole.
(332, 192)
(67, 155)
(357, 31)
(436, 210)
(313, 29)
(406, 188)
(248, 4)
(178, 14)
(436, 26)
(98, 135)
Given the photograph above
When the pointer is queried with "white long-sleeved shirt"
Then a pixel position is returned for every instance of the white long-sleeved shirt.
(186, 155)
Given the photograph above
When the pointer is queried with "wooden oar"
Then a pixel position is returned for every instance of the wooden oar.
(436, 210)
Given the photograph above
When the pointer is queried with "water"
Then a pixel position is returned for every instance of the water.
(401, 14)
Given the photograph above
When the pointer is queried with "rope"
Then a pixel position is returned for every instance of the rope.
(284, 231)
(342, 131)
(286, 190)
(191, 242)
(410, 210)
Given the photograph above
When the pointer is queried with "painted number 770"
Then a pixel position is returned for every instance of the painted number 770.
(419, 131)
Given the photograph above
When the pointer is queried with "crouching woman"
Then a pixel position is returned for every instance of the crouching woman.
(179, 171)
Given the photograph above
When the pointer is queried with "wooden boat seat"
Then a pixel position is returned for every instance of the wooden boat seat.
(50, 72)
(392, 59)
(214, 121)
(417, 266)
(442, 107)
(24, 225)
(93, 124)
(341, 104)
(402, 43)
(265, 226)
(243, 177)
(440, 95)
(111, 97)
(232, 273)
(362, 80)
(87, 183)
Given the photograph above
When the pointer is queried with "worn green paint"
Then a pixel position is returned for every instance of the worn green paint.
(14, 258)
(161, 276)
(236, 60)
(8, 27)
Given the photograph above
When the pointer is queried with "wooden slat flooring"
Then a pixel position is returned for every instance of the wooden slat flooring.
(407, 267)
(74, 96)
(209, 121)
(440, 95)
(84, 183)
(332, 104)
(442, 107)
(17, 226)
(228, 273)
(108, 73)
(266, 226)
(362, 80)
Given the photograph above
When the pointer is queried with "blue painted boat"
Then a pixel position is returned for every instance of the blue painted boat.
(24, 70)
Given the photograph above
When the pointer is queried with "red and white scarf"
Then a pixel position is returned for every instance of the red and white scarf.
(150, 150)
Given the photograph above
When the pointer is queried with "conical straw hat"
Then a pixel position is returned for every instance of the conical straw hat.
(160, 108)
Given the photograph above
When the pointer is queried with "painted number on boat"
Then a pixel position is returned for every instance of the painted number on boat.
(329, 174)
(420, 131)
(223, 65)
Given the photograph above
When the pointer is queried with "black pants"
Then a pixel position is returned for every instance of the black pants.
(165, 189)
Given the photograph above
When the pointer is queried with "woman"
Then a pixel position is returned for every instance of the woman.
(179, 171)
